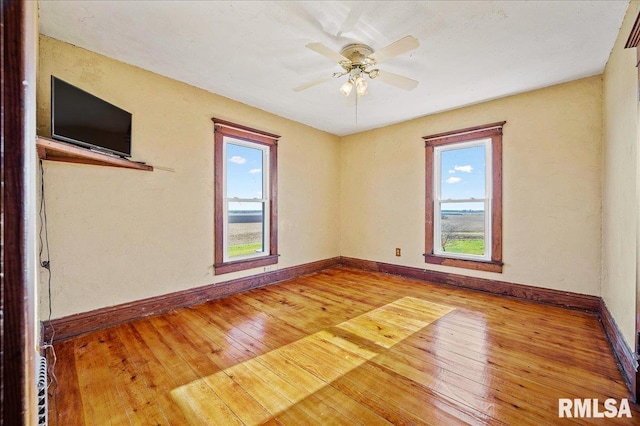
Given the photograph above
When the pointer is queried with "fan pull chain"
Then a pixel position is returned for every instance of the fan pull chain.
(357, 108)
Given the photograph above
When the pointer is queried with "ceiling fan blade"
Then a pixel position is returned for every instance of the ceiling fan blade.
(396, 48)
(397, 80)
(326, 52)
(311, 84)
(352, 18)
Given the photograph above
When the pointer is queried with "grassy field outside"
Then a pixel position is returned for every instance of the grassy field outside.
(244, 249)
(244, 238)
(465, 246)
(463, 232)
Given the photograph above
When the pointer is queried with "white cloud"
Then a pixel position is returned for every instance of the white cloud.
(453, 179)
(466, 169)
(237, 159)
(254, 171)
(452, 171)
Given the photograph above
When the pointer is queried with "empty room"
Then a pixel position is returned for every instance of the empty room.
(310, 212)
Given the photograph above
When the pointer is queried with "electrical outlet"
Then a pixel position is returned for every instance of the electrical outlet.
(398, 252)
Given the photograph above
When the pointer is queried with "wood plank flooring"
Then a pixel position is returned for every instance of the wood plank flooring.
(342, 346)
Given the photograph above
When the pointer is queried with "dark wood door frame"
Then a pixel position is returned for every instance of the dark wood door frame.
(17, 281)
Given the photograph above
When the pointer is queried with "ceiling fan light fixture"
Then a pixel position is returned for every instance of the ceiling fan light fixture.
(361, 86)
(356, 58)
(346, 88)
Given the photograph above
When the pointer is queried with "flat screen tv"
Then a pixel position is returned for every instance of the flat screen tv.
(83, 119)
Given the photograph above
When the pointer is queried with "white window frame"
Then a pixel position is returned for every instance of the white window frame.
(438, 201)
(265, 200)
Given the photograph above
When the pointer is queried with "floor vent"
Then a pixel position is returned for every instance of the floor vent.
(41, 385)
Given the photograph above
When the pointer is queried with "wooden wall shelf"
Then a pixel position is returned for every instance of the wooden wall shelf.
(49, 149)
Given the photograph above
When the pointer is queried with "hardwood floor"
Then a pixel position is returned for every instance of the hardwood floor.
(341, 346)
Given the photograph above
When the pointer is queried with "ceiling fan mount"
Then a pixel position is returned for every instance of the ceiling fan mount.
(357, 54)
(355, 58)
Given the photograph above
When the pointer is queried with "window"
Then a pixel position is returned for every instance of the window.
(463, 225)
(245, 188)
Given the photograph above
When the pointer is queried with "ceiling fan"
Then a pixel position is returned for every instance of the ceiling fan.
(358, 60)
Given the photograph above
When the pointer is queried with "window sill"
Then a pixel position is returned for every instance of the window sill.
(463, 263)
(241, 265)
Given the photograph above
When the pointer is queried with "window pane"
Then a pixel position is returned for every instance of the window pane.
(244, 171)
(462, 228)
(246, 229)
(462, 173)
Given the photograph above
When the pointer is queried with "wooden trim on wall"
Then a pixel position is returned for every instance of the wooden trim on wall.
(228, 129)
(634, 36)
(475, 132)
(273, 205)
(236, 126)
(493, 131)
(429, 219)
(463, 263)
(520, 291)
(86, 322)
(627, 360)
(74, 325)
(218, 202)
(496, 209)
(17, 352)
(241, 265)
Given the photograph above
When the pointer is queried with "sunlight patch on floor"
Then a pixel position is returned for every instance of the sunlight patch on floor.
(395, 321)
(256, 390)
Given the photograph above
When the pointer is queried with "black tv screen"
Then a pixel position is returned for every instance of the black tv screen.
(83, 119)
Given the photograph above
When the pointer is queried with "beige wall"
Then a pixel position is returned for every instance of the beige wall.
(620, 135)
(551, 187)
(119, 235)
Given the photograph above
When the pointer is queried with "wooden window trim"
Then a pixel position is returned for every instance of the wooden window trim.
(224, 128)
(634, 36)
(493, 131)
(633, 42)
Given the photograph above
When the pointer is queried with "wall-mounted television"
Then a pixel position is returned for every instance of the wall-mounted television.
(83, 119)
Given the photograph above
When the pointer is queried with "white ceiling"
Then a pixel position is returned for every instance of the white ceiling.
(254, 52)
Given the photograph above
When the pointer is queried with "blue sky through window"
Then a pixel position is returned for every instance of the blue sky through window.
(462, 176)
(244, 175)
